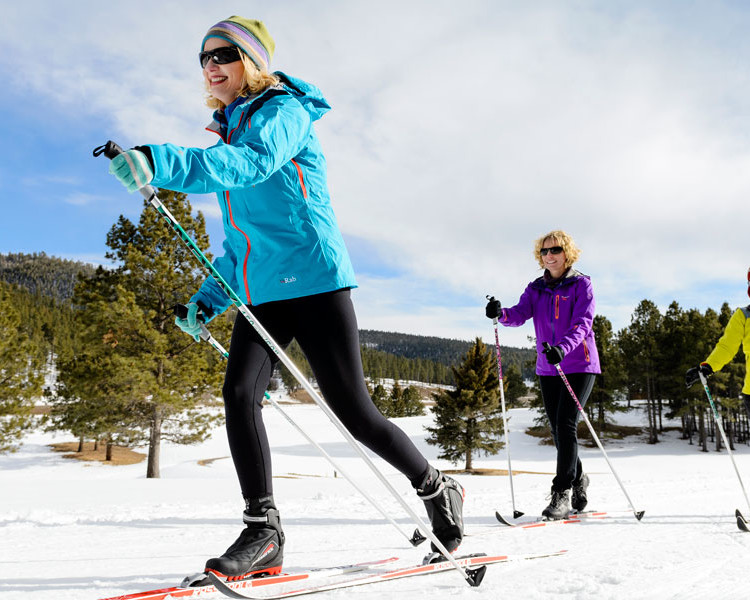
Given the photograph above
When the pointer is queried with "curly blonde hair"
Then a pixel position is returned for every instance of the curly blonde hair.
(560, 238)
(254, 81)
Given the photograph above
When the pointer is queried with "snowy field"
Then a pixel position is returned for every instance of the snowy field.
(70, 530)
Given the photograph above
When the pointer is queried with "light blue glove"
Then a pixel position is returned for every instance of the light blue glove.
(190, 325)
(133, 169)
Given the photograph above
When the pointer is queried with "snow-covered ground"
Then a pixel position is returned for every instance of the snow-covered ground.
(70, 530)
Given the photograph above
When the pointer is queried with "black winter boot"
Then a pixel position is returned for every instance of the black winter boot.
(578, 498)
(443, 498)
(259, 551)
(559, 506)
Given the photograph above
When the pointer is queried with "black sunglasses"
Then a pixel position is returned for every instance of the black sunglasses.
(220, 56)
(552, 250)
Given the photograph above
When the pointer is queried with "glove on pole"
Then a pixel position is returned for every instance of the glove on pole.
(637, 513)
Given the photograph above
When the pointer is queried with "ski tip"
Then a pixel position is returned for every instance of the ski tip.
(639, 514)
(417, 538)
(475, 576)
(502, 519)
(738, 514)
(517, 513)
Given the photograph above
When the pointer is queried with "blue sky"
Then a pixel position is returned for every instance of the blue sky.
(459, 133)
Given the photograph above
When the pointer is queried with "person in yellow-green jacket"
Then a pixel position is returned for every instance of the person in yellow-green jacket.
(737, 332)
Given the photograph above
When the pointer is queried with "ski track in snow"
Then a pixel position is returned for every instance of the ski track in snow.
(70, 530)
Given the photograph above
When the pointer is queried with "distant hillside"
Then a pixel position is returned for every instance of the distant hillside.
(41, 274)
(442, 350)
(427, 356)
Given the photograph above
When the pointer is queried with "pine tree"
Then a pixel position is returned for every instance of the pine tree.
(639, 344)
(21, 373)
(468, 418)
(513, 385)
(132, 337)
(411, 403)
(612, 380)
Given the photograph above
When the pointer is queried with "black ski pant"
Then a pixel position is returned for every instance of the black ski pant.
(563, 415)
(325, 327)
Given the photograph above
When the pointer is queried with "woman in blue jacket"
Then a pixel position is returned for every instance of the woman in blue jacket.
(286, 258)
(561, 304)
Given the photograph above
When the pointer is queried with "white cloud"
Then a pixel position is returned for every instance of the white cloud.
(462, 131)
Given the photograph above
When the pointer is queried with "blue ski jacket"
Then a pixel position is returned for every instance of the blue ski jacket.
(269, 174)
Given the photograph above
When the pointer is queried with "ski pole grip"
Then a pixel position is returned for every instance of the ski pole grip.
(546, 345)
(110, 150)
(181, 311)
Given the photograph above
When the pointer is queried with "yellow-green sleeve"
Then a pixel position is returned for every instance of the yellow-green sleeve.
(729, 343)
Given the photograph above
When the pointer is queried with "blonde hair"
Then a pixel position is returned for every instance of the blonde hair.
(254, 81)
(559, 237)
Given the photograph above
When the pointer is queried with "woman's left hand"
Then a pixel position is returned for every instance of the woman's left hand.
(554, 354)
(133, 169)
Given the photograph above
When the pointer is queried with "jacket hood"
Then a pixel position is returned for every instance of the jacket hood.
(307, 94)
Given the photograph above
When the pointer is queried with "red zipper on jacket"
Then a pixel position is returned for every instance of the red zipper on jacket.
(586, 351)
(557, 306)
(247, 254)
(301, 178)
(231, 217)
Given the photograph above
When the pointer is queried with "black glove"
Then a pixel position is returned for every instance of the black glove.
(492, 310)
(554, 354)
(691, 375)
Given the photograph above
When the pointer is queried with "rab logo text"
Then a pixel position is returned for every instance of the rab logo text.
(291, 279)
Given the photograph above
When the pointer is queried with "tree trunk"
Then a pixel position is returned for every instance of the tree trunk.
(661, 425)
(154, 445)
(702, 431)
(109, 450)
(80, 444)
(469, 443)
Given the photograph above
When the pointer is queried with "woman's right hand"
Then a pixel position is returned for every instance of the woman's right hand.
(492, 310)
(190, 323)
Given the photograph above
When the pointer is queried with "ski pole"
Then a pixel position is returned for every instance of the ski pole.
(637, 513)
(415, 540)
(472, 576)
(516, 513)
(717, 418)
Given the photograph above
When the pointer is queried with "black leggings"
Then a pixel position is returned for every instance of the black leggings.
(563, 415)
(325, 327)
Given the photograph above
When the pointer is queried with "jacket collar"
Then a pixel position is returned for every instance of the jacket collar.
(570, 278)
(220, 124)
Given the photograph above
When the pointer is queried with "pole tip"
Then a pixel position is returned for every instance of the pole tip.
(417, 538)
(639, 514)
(475, 576)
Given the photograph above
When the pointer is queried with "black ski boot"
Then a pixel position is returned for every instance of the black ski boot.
(578, 498)
(259, 551)
(443, 498)
(559, 506)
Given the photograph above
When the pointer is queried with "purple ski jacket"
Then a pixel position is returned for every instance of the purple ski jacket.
(563, 316)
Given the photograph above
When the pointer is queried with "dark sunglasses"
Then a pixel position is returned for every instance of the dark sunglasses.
(220, 56)
(552, 250)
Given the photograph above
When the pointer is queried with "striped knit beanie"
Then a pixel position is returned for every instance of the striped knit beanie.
(248, 35)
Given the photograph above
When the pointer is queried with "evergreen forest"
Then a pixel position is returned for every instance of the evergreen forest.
(96, 350)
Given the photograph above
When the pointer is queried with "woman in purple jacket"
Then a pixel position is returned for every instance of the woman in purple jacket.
(561, 303)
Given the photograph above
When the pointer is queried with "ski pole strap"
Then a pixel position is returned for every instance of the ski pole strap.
(110, 150)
